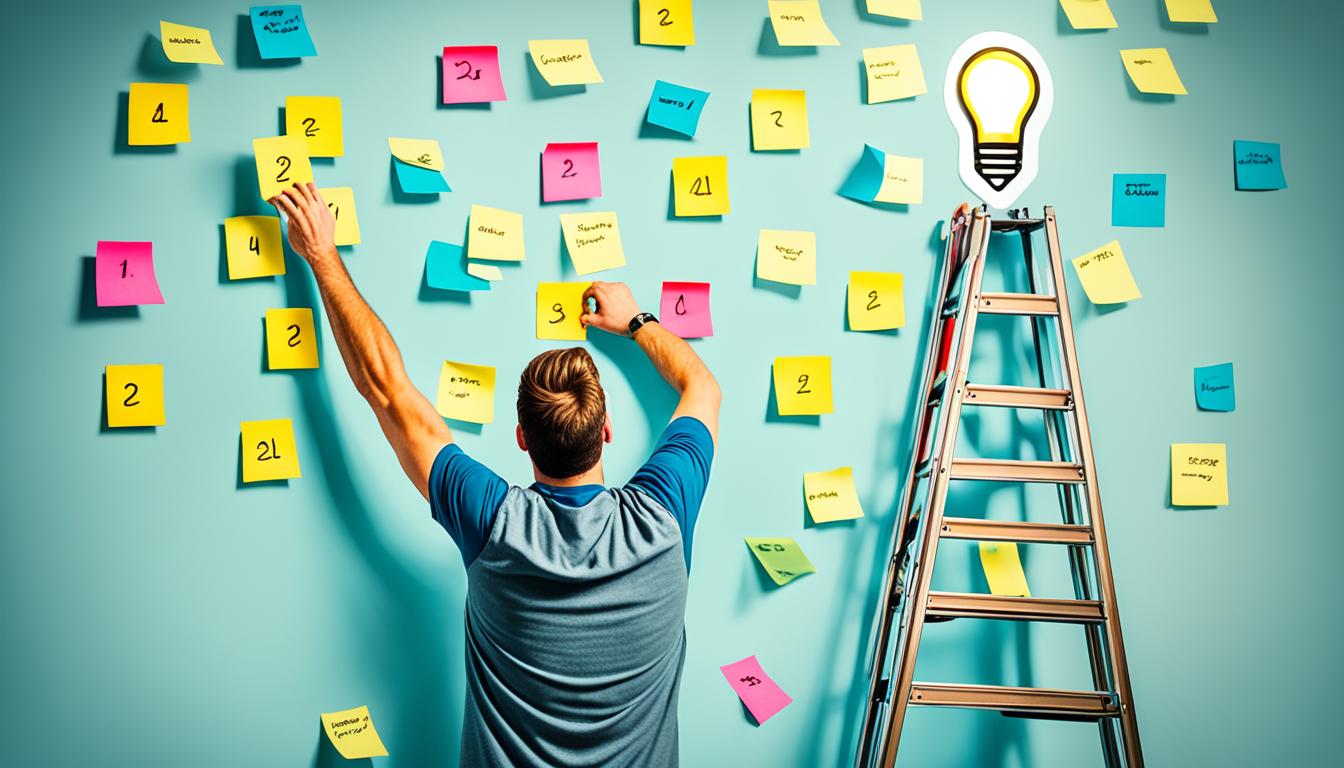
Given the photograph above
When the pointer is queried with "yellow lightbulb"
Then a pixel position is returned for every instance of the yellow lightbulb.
(998, 90)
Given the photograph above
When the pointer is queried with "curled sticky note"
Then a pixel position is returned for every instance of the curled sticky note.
(1003, 569)
(281, 32)
(1152, 70)
(282, 162)
(471, 74)
(352, 733)
(1105, 275)
(799, 22)
(124, 274)
(445, 270)
(676, 107)
(761, 694)
(883, 178)
(187, 45)
(1088, 14)
(593, 241)
(564, 62)
(782, 559)
(1191, 11)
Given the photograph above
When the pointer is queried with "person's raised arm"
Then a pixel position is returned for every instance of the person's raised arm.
(411, 424)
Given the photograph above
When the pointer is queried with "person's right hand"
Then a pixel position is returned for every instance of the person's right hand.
(312, 227)
(616, 307)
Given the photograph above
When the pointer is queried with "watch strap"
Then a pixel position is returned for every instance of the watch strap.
(639, 320)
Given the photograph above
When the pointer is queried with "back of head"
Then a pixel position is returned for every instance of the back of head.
(562, 409)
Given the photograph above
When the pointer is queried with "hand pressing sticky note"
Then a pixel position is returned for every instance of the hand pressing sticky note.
(761, 695)
(831, 495)
(1198, 474)
(352, 733)
(570, 171)
(1139, 200)
(785, 256)
(1191, 11)
(124, 274)
(269, 451)
(281, 32)
(1214, 389)
(156, 114)
(1152, 70)
(684, 310)
(1003, 569)
(187, 45)
(282, 162)
(341, 202)
(254, 247)
(445, 271)
(799, 22)
(782, 559)
(467, 392)
(803, 385)
(593, 241)
(471, 74)
(893, 73)
(1258, 165)
(876, 301)
(896, 9)
(419, 165)
(666, 22)
(318, 120)
(494, 234)
(779, 120)
(291, 340)
(1088, 14)
(564, 62)
(559, 307)
(700, 186)
(134, 395)
(1105, 275)
(675, 107)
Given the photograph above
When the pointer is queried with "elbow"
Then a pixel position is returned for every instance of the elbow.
(708, 388)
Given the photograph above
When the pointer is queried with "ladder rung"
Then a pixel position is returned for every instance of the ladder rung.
(1013, 471)
(961, 605)
(1006, 396)
(1030, 702)
(1018, 304)
(1029, 533)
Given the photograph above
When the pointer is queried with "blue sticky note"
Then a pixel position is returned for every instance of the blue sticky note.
(281, 32)
(1139, 200)
(866, 178)
(1258, 165)
(1213, 388)
(446, 269)
(415, 180)
(676, 107)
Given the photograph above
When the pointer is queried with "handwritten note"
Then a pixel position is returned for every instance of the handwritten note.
(1003, 569)
(1105, 275)
(782, 559)
(341, 202)
(831, 495)
(1152, 70)
(282, 162)
(467, 392)
(799, 22)
(471, 74)
(593, 241)
(883, 178)
(419, 165)
(876, 301)
(318, 120)
(1139, 200)
(676, 107)
(269, 451)
(291, 341)
(1198, 474)
(559, 307)
(187, 45)
(761, 695)
(666, 22)
(253, 247)
(494, 234)
(893, 73)
(1088, 14)
(1214, 390)
(570, 171)
(700, 186)
(124, 274)
(281, 32)
(352, 733)
(1197, 11)
(684, 310)
(564, 62)
(134, 396)
(803, 385)
(156, 115)
(778, 120)
(445, 270)
(896, 9)
(786, 256)
(1258, 165)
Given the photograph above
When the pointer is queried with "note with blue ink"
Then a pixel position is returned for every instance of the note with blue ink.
(446, 269)
(1213, 388)
(676, 107)
(1139, 200)
(1258, 165)
(281, 32)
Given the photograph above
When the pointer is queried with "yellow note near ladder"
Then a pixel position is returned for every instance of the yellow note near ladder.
(1003, 568)
(1105, 275)
(291, 340)
(1198, 474)
(282, 162)
(831, 495)
(803, 385)
(876, 301)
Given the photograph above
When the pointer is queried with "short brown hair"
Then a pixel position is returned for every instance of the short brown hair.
(561, 409)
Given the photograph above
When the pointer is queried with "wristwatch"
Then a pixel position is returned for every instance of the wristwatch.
(639, 320)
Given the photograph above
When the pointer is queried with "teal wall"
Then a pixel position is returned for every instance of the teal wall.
(157, 613)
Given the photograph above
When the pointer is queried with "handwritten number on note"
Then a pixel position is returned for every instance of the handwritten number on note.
(309, 126)
(130, 399)
(664, 13)
(681, 304)
(467, 73)
(123, 268)
(335, 211)
(701, 187)
(267, 450)
(158, 115)
(778, 116)
(569, 169)
(423, 160)
(803, 379)
(872, 300)
(283, 175)
(770, 547)
(293, 337)
(253, 244)
(559, 310)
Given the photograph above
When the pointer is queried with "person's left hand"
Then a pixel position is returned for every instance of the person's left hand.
(312, 227)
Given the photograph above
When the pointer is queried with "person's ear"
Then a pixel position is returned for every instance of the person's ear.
(522, 442)
(606, 428)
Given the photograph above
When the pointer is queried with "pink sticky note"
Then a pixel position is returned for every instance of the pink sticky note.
(684, 310)
(471, 74)
(570, 172)
(124, 274)
(761, 695)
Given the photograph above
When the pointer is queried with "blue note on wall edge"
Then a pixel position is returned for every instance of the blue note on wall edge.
(1139, 200)
(866, 178)
(446, 269)
(1214, 389)
(415, 180)
(1258, 165)
(281, 32)
(676, 107)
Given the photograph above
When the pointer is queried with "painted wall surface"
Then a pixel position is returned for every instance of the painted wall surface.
(156, 612)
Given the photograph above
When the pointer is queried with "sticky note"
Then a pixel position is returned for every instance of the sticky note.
(1003, 568)
(156, 114)
(1139, 200)
(1198, 474)
(1088, 14)
(318, 120)
(352, 733)
(282, 162)
(187, 45)
(415, 180)
(471, 74)
(564, 62)
(896, 9)
(675, 107)
(269, 451)
(341, 201)
(1105, 275)
(666, 22)
(799, 22)
(134, 396)
(782, 559)
(684, 310)
(253, 247)
(779, 120)
(281, 32)
(803, 385)
(787, 256)
(124, 274)
(570, 171)
(488, 272)
(700, 186)
(1152, 70)
(559, 307)
(422, 153)
(467, 392)
(494, 234)
(1214, 389)
(893, 73)
(291, 341)
(761, 695)
(880, 177)
(1198, 11)
(444, 269)
(831, 495)
(1258, 165)
(876, 301)
(593, 241)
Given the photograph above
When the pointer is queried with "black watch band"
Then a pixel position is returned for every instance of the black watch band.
(639, 320)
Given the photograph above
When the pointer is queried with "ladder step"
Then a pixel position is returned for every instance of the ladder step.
(961, 605)
(1028, 702)
(1005, 396)
(1013, 471)
(1018, 304)
(1028, 533)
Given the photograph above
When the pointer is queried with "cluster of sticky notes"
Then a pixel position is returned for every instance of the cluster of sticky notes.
(1003, 568)
(471, 74)
(799, 22)
(1258, 165)
(782, 559)
(187, 45)
(134, 395)
(779, 120)
(761, 695)
(831, 495)
(564, 62)
(593, 241)
(494, 234)
(352, 733)
(318, 120)
(683, 309)
(893, 72)
(1139, 200)
(1196, 11)
(157, 115)
(291, 341)
(1152, 71)
(341, 202)
(675, 107)
(467, 392)
(282, 162)
(882, 178)
(803, 385)
(269, 451)
(1105, 275)
(559, 309)
(1198, 474)
(124, 274)
(418, 164)
(876, 301)
(1214, 388)
(570, 171)
(787, 256)
(896, 9)
(446, 270)
(666, 22)
(1088, 14)
(281, 32)
(700, 186)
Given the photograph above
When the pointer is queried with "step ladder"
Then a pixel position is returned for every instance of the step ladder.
(907, 602)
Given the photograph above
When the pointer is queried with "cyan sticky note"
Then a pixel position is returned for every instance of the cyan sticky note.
(1258, 165)
(1139, 200)
(676, 107)
(281, 32)
(1213, 388)
(415, 180)
(446, 269)
(866, 178)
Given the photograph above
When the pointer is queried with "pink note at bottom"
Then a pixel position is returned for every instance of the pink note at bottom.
(761, 695)
(124, 274)
(684, 310)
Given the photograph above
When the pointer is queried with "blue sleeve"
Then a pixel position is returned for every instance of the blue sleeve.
(464, 496)
(677, 473)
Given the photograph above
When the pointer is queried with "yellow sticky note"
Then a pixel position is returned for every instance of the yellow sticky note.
(485, 271)
(494, 234)
(896, 9)
(782, 559)
(876, 301)
(156, 114)
(1197, 11)
(803, 385)
(134, 395)
(318, 120)
(282, 162)
(564, 62)
(700, 185)
(666, 22)
(269, 451)
(1088, 14)
(253, 246)
(831, 495)
(423, 153)
(1198, 474)
(1105, 275)
(593, 241)
(352, 733)
(467, 392)
(1003, 568)
(291, 341)
(902, 180)
(786, 256)
(779, 120)
(893, 73)
(559, 307)
(1152, 70)
(799, 22)
(188, 45)
(341, 201)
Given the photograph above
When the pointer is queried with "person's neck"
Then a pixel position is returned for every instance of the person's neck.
(591, 477)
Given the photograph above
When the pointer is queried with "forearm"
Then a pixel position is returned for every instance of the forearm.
(674, 359)
(371, 356)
